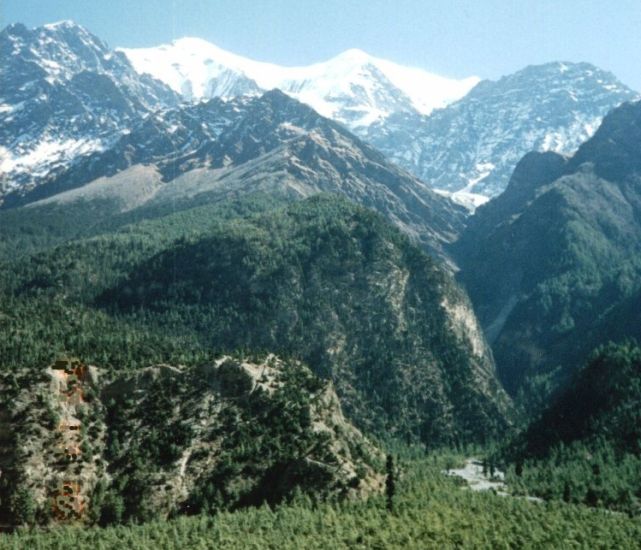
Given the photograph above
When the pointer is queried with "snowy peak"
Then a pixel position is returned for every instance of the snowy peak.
(59, 49)
(189, 66)
(559, 80)
(64, 95)
(353, 87)
(471, 147)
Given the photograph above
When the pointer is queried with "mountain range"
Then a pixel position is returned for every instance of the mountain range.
(470, 147)
(271, 143)
(268, 142)
(462, 137)
(146, 149)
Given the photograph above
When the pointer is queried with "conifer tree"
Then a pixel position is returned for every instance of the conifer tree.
(390, 482)
(23, 507)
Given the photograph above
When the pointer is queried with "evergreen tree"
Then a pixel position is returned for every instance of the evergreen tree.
(23, 507)
(112, 509)
(390, 482)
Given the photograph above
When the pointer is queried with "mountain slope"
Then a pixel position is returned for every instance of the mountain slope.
(389, 328)
(232, 433)
(601, 403)
(473, 145)
(65, 95)
(586, 445)
(552, 265)
(353, 88)
(273, 144)
(323, 280)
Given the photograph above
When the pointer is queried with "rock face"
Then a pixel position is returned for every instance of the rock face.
(552, 265)
(65, 95)
(473, 145)
(53, 452)
(168, 440)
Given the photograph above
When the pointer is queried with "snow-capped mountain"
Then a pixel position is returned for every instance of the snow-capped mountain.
(67, 97)
(64, 95)
(461, 136)
(353, 88)
(77, 117)
(471, 147)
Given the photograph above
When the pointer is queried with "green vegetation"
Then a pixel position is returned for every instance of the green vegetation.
(430, 511)
(553, 265)
(586, 447)
(591, 474)
(390, 482)
(168, 440)
(336, 286)
(322, 280)
(601, 404)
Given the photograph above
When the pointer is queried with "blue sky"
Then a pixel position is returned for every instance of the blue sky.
(458, 38)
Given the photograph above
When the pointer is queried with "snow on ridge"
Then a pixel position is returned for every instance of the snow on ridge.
(188, 65)
(469, 200)
(427, 91)
(47, 152)
(65, 23)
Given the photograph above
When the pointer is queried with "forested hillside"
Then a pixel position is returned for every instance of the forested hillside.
(586, 446)
(430, 511)
(389, 327)
(83, 444)
(552, 265)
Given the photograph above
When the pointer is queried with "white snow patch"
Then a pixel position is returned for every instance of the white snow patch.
(467, 197)
(45, 153)
(59, 24)
(288, 126)
(482, 171)
(471, 201)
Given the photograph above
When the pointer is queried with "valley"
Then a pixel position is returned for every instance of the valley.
(258, 306)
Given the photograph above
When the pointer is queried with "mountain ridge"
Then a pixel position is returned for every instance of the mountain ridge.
(472, 145)
(271, 143)
(567, 236)
(369, 88)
